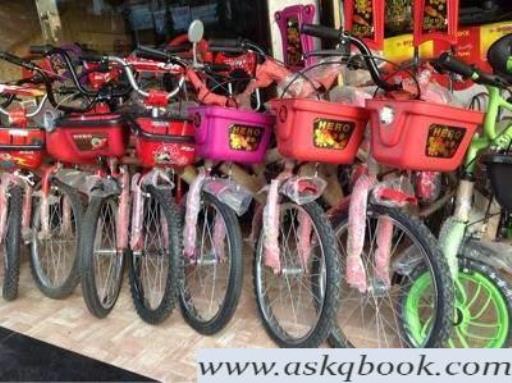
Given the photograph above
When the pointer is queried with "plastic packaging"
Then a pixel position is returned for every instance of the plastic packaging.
(219, 236)
(137, 214)
(302, 189)
(123, 212)
(228, 192)
(191, 215)
(271, 228)
(427, 186)
(304, 243)
(349, 95)
(384, 237)
(355, 272)
(395, 192)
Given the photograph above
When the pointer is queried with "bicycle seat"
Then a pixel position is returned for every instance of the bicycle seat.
(500, 57)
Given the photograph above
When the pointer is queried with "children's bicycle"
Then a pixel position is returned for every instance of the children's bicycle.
(483, 304)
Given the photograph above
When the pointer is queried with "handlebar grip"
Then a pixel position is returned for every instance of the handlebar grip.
(13, 59)
(92, 57)
(151, 53)
(225, 43)
(450, 63)
(321, 31)
(219, 67)
(219, 49)
(41, 49)
(178, 48)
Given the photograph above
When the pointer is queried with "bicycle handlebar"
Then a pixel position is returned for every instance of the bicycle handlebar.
(343, 38)
(452, 64)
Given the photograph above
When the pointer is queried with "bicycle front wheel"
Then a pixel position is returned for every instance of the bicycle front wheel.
(298, 303)
(12, 244)
(155, 271)
(54, 255)
(101, 262)
(213, 276)
(374, 317)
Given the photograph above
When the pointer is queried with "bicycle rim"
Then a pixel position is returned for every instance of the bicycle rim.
(288, 302)
(107, 259)
(482, 321)
(207, 272)
(153, 262)
(373, 318)
(54, 254)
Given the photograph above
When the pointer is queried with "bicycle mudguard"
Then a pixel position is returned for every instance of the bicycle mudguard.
(303, 190)
(235, 196)
(495, 254)
(101, 187)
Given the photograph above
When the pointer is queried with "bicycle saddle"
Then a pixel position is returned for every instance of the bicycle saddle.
(500, 57)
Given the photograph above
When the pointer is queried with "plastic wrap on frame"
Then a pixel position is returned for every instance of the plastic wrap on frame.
(349, 95)
(67, 224)
(430, 90)
(228, 192)
(427, 185)
(396, 192)
(27, 212)
(271, 228)
(303, 189)
(123, 212)
(384, 238)
(6, 181)
(137, 214)
(256, 224)
(191, 215)
(304, 243)
(319, 77)
(219, 235)
(355, 270)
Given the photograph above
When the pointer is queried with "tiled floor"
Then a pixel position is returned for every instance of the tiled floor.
(166, 352)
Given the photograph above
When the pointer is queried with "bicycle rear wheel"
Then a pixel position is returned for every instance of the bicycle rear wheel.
(373, 318)
(299, 303)
(101, 262)
(155, 271)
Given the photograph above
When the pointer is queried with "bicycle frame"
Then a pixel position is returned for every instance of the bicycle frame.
(454, 229)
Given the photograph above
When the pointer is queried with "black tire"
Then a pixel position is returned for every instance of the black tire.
(330, 298)
(442, 327)
(87, 257)
(233, 289)
(69, 284)
(12, 244)
(468, 266)
(156, 315)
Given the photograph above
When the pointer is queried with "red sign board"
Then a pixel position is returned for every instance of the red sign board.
(365, 19)
(436, 20)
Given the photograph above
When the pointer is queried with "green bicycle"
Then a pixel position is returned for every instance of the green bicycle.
(483, 307)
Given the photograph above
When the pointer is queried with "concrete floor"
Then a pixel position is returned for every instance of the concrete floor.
(166, 352)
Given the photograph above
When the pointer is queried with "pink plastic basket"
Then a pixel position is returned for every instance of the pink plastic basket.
(228, 134)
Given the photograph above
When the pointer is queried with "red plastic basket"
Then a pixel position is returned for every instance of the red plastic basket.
(21, 148)
(165, 142)
(418, 135)
(85, 138)
(318, 131)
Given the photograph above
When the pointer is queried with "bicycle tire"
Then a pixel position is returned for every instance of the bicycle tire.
(234, 286)
(68, 286)
(323, 326)
(12, 244)
(173, 277)
(87, 262)
(442, 327)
